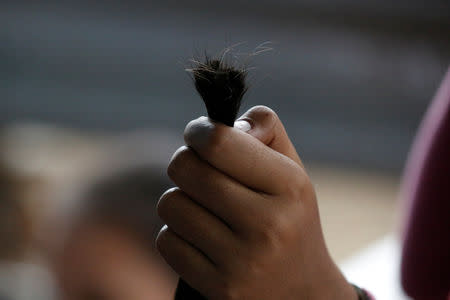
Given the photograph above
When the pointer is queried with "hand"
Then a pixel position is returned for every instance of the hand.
(243, 221)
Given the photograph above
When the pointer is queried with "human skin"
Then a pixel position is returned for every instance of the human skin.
(243, 221)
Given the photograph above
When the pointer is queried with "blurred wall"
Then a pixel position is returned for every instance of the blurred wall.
(351, 79)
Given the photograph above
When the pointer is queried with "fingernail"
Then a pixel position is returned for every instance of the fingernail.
(242, 125)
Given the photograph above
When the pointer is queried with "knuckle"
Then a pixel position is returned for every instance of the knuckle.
(165, 203)
(295, 185)
(197, 129)
(206, 137)
(227, 290)
(264, 111)
(268, 231)
(178, 162)
(253, 267)
(161, 208)
(273, 232)
(293, 191)
(162, 240)
(265, 114)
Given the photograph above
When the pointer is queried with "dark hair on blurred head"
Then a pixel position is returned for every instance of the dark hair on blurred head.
(15, 222)
(128, 199)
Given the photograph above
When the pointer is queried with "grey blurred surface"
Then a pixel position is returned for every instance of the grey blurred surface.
(25, 281)
(350, 79)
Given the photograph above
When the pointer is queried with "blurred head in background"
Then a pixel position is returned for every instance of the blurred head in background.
(15, 225)
(108, 252)
(86, 232)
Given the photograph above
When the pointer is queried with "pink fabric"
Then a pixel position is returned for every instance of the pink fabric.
(370, 295)
(425, 267)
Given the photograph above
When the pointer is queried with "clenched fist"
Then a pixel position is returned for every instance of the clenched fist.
(243, 221)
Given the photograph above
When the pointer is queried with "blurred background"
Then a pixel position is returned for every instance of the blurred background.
(94, 99)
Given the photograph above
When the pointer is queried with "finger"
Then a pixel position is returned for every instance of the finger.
(196, 225)
(242, 156)
(194, 267)
(220, 194)
(265, 125)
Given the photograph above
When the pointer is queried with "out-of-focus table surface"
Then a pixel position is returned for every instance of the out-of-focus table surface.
(357, 207)
(376, 268)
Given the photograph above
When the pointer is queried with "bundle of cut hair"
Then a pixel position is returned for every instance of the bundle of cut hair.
(221, 86)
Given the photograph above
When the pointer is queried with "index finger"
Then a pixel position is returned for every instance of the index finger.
(242, 156)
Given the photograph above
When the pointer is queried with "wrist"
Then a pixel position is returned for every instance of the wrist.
(342, 290)
(333, 286)
(337, 291)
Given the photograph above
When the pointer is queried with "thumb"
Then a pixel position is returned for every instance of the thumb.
(267, 127)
